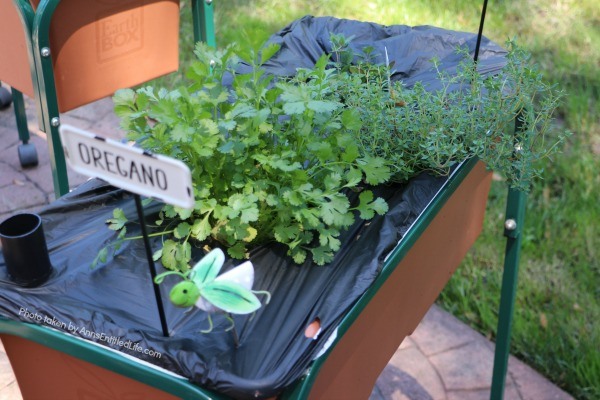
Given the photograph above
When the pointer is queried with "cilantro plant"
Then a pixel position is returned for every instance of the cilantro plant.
(271, 160)
(418, 129)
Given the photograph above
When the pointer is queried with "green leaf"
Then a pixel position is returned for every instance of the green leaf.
(237, 251)
(293, 197)
(175, 256)
(322, 150)
(268, 51)
(309, 217)
(182, 133)
(333, 181)
(366, 212)
(118, 220)
(350, 150)
(210, 127)
(375, 169)
(124, 97)
(380, 206)
(333, 208)
(351, 119)
(322, 255)
(241, 111)
(298, 255)
(294, 108)
(323, 106)
(184, 213)
(328, 238)
(182, 230)
(367, 207)
(201, 228)
(353, 177)
(100, 257)
(249, 214)
(230, 297)
(284, 234)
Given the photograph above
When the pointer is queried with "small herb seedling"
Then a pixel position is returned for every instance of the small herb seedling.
(230, 292)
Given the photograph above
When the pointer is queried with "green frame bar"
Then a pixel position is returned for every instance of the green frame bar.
(515, 217)
(203, 20)
(46, 94)
(20, 116)
(37, 32)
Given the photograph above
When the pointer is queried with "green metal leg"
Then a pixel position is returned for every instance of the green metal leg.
(513, 230)
(46, 93)
(204, 25)
(20, 116)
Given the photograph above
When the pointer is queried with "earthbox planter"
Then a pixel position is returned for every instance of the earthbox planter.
(402, 261)
(97, 46)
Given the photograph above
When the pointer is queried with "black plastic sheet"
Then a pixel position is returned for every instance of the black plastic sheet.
(411, 49)
(116, 300)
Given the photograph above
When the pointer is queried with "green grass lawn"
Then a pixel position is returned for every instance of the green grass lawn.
(556, 326)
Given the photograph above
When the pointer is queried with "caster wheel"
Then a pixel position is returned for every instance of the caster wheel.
(5, 98)
(28, 155)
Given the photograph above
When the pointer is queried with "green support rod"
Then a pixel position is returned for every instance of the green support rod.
(513, 229)
(46, 93)
(26, 15)
(204, 25)
(20, 116)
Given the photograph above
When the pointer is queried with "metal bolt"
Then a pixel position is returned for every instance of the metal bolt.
(55, 122)
(45, 52)
(510, 224)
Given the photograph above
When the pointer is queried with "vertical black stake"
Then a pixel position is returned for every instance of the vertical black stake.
(480, 33)
(159, 303)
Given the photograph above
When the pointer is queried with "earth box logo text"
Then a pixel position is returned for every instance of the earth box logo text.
(119, 33)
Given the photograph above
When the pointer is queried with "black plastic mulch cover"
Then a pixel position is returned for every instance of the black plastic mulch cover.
(116, 300)
(411, 49)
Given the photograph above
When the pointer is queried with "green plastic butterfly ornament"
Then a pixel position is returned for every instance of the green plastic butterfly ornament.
(230, 292)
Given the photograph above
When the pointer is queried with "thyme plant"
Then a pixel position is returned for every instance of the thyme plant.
(417, 129)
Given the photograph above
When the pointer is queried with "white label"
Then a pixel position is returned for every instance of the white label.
(127, 167)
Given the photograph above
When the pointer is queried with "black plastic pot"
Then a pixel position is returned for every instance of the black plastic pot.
(25, 251)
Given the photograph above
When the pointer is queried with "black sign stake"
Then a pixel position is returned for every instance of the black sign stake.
(159, 303)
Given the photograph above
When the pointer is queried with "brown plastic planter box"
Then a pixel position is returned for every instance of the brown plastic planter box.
(14, 61)
(97, 47)
(52, 364)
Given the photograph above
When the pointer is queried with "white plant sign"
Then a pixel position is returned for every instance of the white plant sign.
(130, 168)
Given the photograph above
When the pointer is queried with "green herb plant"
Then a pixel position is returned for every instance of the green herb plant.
(471, 115)
(271, 160)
